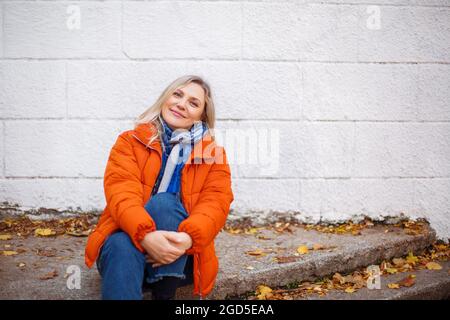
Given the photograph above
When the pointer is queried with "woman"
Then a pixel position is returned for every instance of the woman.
(168, 193)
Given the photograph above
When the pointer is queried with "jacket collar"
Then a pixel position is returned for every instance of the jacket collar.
(144, 131)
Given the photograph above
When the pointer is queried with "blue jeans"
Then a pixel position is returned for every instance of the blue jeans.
(123, 267)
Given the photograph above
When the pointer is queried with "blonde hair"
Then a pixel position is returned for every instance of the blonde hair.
(153, 114)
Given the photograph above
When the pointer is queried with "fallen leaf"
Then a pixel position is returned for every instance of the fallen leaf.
(263, 292)
(398, 262)
(251, 231)
(391, 270)
(318, 246)
(302, 249)
(9, 253)
(21, 265)
(7, 246)
(393, 286)
(286, 259)
(46, 253)
(433, 266)
(407, 282)
(349, 290)
(75, 233)
(257, 252)
(441, 247)
(44, 232)
(50, 275)
(411, 258)
(249, 267)
(339, 278)
(5, 237)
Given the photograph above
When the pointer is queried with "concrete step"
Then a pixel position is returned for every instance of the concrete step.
(239, 272)
(429, 285)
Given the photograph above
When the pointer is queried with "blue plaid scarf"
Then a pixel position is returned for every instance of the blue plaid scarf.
(187, 140)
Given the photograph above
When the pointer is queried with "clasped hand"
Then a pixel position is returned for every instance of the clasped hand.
(164, 247)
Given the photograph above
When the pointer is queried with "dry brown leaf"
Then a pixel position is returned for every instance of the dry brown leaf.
(399, 262)
(50, 275)
(257, 252)
(339, 278)
(407, 282)
(46, 252)
(318, 246)
(286, 259)
(76, 233)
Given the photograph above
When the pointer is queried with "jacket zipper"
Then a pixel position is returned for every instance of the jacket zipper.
(198, 255)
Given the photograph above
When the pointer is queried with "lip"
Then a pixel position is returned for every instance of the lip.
(176, 114)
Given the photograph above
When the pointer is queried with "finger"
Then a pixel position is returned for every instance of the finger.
(174, 249)
(173, 236)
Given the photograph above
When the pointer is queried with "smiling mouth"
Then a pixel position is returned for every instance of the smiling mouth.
(177, 114)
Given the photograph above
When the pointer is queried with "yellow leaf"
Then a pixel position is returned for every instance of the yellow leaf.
(252, 231)
(9, 253)
(350, 290)
(302, 250)
(411, 258)
(391, 270)
(5, 237)
(21, 265)
(263, 292)
(44, 232)
(393, 286)
(433, 266)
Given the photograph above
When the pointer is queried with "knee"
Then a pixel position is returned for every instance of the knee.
(120, 245)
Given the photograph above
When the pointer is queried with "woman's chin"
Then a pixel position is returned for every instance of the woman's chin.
(176, 123)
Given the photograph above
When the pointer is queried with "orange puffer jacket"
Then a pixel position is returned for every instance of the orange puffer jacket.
(206, 195)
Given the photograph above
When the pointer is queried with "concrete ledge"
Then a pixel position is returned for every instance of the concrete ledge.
(239, 272)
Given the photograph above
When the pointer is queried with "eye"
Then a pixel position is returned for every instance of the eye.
(176, 93)
(194, 104)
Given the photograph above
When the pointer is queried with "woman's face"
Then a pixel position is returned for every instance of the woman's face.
(184, 106)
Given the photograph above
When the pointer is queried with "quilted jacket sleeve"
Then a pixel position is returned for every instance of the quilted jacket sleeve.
(209, 215)
(124, 192)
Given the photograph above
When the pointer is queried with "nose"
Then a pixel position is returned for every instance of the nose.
(181, 104)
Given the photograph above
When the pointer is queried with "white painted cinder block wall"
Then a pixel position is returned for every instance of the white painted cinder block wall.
(362, 112)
